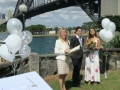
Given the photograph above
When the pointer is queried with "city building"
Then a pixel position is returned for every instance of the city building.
(3, 16)
(9, 14)
(110, 7)
(0, 15)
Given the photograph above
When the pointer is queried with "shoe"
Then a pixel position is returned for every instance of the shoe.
(75, 85)
(78, 83)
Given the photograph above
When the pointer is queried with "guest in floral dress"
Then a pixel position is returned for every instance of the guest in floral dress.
(92, 69)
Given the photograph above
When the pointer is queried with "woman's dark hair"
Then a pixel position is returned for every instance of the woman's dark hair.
(90, 36)
(76, 29)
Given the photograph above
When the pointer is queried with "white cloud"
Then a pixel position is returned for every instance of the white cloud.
(5, 1)
(63, 11)
(46, 15)
(64, 16)
(57, 20)
(57, 11)
(75, 17)
(47, 20)
(74, 12)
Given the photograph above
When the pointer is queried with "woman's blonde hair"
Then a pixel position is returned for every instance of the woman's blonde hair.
(59, 36)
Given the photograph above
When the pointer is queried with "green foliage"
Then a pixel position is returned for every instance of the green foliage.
(56, 29)
(36, 28)
(115, 43)
(47, 58)
(3, 28)
(88, 25)
(7, 69)
(69, 29)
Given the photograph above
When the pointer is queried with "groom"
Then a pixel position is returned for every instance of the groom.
(77, 56)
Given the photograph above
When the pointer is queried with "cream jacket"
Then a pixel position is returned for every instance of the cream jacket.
(60, 50)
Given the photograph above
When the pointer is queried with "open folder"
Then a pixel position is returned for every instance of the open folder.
(74, 49)
(71, 51)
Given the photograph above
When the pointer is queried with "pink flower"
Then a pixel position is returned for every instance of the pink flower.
(87, 69)
(93, 77)
(96, 70)
(94, 55)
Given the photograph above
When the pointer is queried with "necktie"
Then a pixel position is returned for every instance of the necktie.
(80, 40)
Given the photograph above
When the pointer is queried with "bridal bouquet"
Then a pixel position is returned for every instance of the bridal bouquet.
(90, 44)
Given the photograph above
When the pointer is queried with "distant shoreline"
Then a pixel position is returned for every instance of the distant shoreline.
(85, 34)
(55, 35)
(4, 33)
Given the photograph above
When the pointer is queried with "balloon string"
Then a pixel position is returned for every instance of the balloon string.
(106, 54)
(14, 66)
(1, 42)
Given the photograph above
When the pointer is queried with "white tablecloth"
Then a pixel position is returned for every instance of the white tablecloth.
(27, 81)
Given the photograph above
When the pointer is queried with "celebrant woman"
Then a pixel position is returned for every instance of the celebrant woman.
(92, 70)
(61, 48)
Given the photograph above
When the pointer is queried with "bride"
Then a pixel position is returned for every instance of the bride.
(92, 70)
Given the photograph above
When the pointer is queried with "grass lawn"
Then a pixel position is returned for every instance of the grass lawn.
(112, 82)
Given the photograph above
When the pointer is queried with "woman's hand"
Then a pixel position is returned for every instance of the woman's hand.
(67, 50)
(94, 48)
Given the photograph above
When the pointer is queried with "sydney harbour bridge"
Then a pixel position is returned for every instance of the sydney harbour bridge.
(36, 7)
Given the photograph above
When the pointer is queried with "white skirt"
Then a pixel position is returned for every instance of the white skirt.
(62, 66)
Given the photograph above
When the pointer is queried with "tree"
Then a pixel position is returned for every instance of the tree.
(36, 28)
(3, 28)
(56, 29)
(85, 26)
(43, 28)
(69, 29)
(88, 25)
(49, 29)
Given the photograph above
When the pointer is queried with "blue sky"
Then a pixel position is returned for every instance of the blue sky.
(66, 17)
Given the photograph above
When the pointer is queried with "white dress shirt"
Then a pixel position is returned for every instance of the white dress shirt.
(80, 40)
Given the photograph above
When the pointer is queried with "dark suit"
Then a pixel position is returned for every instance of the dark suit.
(76, 59)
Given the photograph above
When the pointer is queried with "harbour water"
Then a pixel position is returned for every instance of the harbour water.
(41, 45)
(44, 44)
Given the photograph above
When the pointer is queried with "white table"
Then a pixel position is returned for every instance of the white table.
(26, 81)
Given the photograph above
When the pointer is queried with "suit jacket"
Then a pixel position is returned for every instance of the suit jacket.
(73, 43)
(60, 50)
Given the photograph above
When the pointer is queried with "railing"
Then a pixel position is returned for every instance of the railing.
(46, 64)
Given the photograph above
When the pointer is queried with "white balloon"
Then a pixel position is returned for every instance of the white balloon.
(101, 33)
(26, 37)
(108, 36)
(111, 26)
(13, 42)
(113, 36)
(6, 54)
(105, 21)
(14, 26)
(24, 51)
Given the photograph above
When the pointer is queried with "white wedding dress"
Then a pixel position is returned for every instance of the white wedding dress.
(92, 69)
